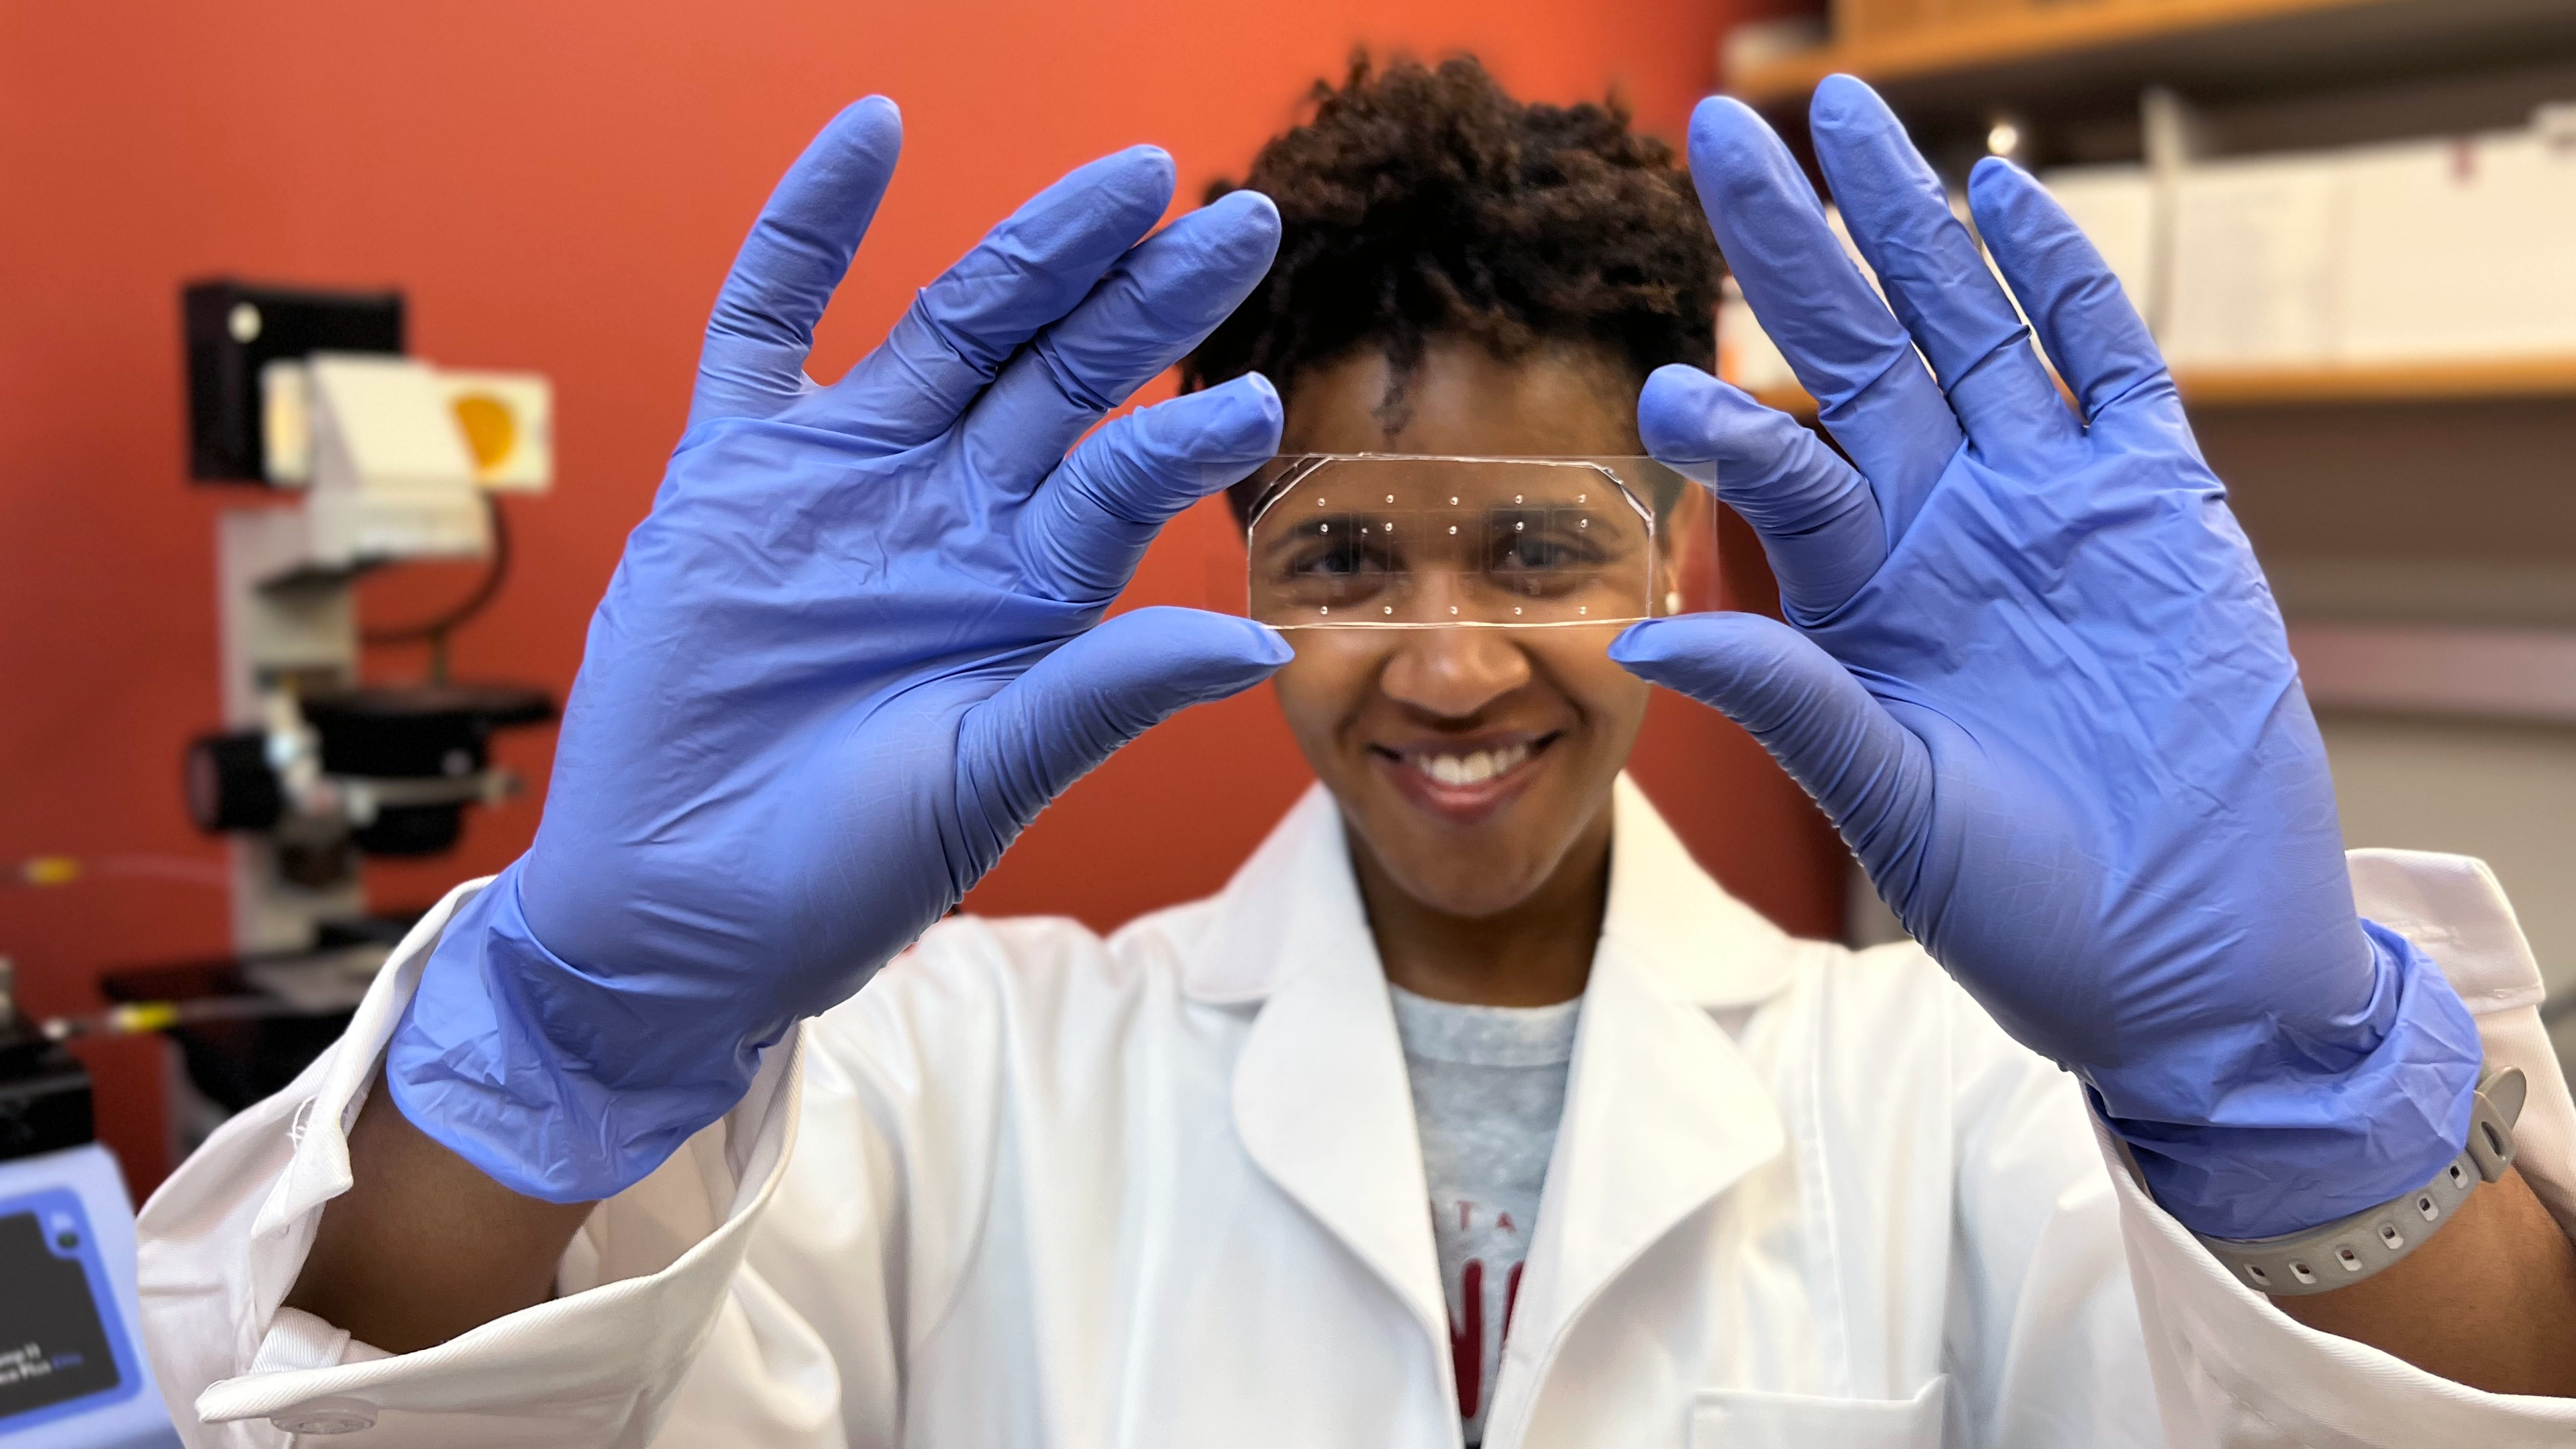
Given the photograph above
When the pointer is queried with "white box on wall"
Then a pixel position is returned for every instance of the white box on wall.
(2257, 266)
(2458, 248)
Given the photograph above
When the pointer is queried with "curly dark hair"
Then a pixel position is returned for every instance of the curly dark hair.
(1422, 203)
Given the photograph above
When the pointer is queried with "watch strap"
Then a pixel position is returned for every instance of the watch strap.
(2343, 1252)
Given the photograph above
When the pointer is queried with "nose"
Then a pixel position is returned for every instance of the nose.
(1453, 673)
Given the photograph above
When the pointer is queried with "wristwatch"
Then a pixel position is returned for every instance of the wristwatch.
(2347, 1250)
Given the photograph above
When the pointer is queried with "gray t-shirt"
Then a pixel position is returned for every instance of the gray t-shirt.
(1488, 1090)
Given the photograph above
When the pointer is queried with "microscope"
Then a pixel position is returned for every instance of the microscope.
(352, 457)
(389, 458)
(355, 457)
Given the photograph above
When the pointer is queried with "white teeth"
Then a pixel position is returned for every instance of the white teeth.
(1472, 769)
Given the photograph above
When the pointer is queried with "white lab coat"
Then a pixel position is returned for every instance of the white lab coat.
(1032, 1187)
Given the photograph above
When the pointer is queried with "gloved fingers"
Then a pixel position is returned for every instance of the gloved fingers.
(1154, 306)
(1024, 274)
(2083, 317)
(1041, 732)
(1871, 774)
(753, 363)
(1935, 274)
(1818, 519)
(1848, 350)
(1092, 520)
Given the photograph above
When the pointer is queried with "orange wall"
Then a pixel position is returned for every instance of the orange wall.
(559, 187)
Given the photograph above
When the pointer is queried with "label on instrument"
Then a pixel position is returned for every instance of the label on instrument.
(61, 1348)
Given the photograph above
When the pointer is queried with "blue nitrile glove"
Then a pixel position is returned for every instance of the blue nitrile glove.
(2040, 686)
(856, 646)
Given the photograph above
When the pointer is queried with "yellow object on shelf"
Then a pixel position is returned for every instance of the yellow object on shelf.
(49, 870)
(143, 1016)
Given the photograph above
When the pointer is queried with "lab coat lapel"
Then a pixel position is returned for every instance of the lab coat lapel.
(1663, 1113)
(1321, 1100)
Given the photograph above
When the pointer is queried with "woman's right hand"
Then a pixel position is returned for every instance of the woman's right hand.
(2034, 674)
(854, 649)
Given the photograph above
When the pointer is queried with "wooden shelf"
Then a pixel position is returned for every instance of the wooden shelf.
(2329, 386)
(2537, 377)
(2093, 53)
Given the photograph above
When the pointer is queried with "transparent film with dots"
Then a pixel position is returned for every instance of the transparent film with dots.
(1369, 540)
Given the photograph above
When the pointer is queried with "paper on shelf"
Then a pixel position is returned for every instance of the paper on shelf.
(2458, 248)
(2257, 264)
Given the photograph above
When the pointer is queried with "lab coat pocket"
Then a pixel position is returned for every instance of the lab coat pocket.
(1752, 1419)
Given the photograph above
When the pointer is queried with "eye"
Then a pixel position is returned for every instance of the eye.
(1534, 541)
(1341, 547)
(1531, 551)
(1338, 558)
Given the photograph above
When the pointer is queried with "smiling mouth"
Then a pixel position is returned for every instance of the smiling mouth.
(1464, 784)
(1474, 767)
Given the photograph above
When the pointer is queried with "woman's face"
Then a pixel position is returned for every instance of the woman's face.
(1471, 764)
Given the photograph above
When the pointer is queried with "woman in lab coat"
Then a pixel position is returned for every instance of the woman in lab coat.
(1471, 1108)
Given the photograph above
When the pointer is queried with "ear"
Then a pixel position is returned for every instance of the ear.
(1686, 573)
